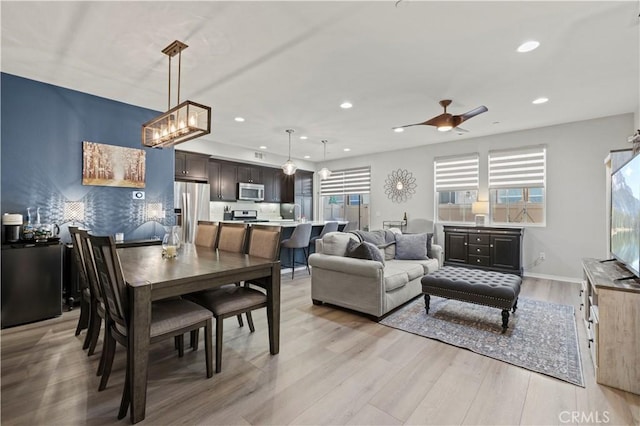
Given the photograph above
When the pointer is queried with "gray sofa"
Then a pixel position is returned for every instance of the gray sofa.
(366, 286)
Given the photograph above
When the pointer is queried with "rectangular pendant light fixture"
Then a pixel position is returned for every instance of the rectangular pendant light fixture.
(188, 120)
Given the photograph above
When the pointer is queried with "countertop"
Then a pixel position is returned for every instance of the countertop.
(288, 223)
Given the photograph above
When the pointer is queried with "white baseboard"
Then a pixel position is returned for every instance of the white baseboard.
(552, 277)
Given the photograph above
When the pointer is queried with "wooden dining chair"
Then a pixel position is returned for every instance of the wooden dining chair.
(228, 301)
(206, 234)
(97, 311)
(85, 294)
(168, 319)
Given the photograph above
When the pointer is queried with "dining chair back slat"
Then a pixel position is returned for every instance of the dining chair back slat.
(110, 278)
(78, 255)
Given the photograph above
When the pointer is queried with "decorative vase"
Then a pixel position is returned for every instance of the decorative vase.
(171, 242)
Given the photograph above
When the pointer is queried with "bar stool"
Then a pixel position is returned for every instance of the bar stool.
(328, 227)
(299, 239)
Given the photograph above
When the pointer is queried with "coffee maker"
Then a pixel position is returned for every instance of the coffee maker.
(12, 223)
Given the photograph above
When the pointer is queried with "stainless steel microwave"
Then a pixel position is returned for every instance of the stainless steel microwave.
(250, 191)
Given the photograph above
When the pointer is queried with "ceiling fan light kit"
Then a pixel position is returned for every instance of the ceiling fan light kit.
(188, 120)
(446, 121)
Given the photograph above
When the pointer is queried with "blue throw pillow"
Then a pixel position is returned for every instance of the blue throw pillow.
(364, 250)
(413, 246)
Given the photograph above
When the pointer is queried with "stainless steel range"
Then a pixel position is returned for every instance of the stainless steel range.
(246, 216)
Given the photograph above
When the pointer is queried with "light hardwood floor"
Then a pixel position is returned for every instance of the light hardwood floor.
(334, 367)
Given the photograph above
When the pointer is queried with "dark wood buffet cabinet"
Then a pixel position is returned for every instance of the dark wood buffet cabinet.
(483, 247)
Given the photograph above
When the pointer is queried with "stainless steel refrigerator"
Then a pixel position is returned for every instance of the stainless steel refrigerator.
(192, 200)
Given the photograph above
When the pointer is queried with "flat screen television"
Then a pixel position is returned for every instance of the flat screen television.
(625, 215)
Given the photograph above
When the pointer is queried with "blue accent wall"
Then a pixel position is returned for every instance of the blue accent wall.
(42, 130)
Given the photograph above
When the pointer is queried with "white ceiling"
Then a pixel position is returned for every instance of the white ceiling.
(290, 64)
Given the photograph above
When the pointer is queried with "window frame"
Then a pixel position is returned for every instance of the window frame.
(454, 175)
(523, 169)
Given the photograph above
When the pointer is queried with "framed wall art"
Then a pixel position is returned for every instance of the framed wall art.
(110, 165)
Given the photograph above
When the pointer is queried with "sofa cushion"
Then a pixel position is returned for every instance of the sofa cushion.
(411, 246)
(413, 268)
(394, 278)
(335, 243)
(390, 251)
(364, 250)
(428, 265)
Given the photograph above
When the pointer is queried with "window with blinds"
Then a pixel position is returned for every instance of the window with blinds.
(456, 185)
(349, 181)
(517, 181)
(344, 196)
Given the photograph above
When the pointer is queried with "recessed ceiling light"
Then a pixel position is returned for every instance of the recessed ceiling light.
(540, 101)
(303, 137)
(347, 149)
(528, 46)
(398, 130)
(307, 156)
(263, 147)
(239, 119)
(346, 105)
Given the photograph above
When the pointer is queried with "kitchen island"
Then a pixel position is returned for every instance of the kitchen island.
(288, 226)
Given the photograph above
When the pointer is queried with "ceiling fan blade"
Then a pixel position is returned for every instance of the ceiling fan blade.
(469, 114)
(460, 130)
(409, 125)
(438, 120)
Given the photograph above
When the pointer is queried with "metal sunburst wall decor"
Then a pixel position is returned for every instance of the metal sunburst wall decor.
(400, 185)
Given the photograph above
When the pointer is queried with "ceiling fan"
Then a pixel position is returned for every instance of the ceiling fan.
(445, 121)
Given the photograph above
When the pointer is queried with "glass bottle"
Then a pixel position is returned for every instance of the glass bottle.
(171, 242)
(27, 228)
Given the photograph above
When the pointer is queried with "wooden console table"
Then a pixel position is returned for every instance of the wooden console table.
(484, 247)
(611, 314)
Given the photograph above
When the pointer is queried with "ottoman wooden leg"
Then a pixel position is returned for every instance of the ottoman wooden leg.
(427, 300)
(505, 320)
(515, 306)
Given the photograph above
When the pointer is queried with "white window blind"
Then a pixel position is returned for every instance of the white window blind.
(523, 168)
(456, 173)
(348, 181)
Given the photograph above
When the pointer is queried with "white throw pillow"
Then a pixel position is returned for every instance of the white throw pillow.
(335, 243)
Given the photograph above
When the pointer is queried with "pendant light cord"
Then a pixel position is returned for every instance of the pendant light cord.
(289, 131)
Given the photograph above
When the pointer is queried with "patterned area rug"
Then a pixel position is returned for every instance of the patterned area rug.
(541, 337)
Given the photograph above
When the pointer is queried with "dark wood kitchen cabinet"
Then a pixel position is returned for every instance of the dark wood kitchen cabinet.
(304, 193)
(496, 249)
(250, 174)
(287, 188)
(272, 180)
(222, 180)
(304, 183)
(191, 167)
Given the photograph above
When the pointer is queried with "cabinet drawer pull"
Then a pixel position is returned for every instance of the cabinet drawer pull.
(465, 244)
(478, 260)
(478, 239)
(589, 343)
(478, 250)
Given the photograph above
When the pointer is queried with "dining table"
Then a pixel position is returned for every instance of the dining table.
(151, 277)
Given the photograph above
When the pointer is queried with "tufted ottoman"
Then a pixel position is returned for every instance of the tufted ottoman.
(477, 286)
